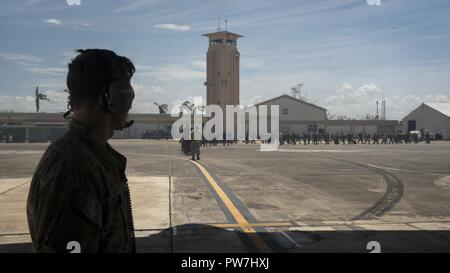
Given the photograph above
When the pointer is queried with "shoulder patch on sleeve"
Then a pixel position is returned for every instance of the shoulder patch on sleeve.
(88, 206)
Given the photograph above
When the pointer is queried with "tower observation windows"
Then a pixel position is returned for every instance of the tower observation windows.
(231, 42)
(223, 41)
(216, 42)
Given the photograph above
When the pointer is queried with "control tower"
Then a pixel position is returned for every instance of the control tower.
(222, 69)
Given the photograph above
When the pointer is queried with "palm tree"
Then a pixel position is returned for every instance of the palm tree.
(163, 108)
(200, 108)
(189, 105)
(192, 107)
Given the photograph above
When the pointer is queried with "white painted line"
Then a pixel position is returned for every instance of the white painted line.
(21, 152)
(321, 151)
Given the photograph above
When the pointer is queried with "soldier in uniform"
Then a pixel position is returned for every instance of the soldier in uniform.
(336, 139)
(360, 138)
(327, 138)
(343, 137)
(375, 139)
(427, 137)
(391, 139)
(281, 138)
(408, 138)
(349, 138)
(183, 146)
(384, 139)
(367, 139)
(79, 193)
(195, 146)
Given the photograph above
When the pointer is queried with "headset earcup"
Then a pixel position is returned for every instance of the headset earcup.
(121, 95)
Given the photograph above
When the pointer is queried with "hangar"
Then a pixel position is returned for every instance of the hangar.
(300, 117)
(434, 117)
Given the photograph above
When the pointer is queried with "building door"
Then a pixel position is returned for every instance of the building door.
(411, 125)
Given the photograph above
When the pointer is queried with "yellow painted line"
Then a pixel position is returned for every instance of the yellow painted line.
(278, 224)
(240, 219)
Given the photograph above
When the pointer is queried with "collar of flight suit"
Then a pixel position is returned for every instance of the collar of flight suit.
(110, 158)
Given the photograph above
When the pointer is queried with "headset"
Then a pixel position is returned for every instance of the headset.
(117, 99)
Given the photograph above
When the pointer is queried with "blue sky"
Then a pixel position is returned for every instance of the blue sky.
(343, 51)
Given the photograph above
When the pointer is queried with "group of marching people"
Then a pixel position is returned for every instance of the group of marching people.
(361, 138)
(192, 147)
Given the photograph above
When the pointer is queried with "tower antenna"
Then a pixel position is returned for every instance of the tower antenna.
(377, 116)
(383, 106)
(219, 27)
(226, 25)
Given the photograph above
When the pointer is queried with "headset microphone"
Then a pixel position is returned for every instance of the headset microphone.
(128, 123)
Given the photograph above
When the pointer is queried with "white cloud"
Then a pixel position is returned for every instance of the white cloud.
(33, 64)
(173, 27)
(145, 97)
(251, 101)
(73, 2)
(357, 102)
(247, 82)
(53, 21)
(133, 6)
(51, 71)
(253, 63)
(170, 72)
(20, 58)
(199, 64)
(67, 57)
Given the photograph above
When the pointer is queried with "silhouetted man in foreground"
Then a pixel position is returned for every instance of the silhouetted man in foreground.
(79, 197)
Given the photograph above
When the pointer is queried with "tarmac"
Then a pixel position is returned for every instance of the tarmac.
(299, 198)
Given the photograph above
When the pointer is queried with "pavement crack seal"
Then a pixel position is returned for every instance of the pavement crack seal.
(246, 227)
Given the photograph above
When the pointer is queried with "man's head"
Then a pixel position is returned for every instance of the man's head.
(99, 81)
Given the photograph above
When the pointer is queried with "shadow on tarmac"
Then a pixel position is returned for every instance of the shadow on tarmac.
(198, 238)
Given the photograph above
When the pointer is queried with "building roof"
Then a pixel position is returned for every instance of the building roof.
(222, 32)
(292, 98)
(443, 107)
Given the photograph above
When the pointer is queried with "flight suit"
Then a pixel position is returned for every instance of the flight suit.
(79, 192)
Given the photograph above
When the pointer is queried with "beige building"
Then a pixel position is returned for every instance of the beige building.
(42, 127)
(298, 116)
(222, 69)
(433, 117)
